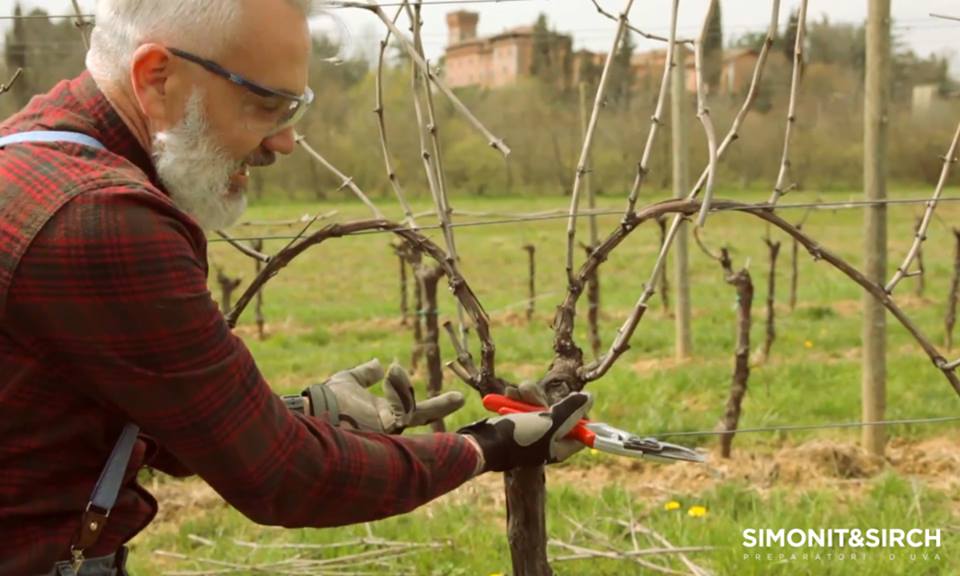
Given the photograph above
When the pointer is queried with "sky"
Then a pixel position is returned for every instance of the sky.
(912, 23)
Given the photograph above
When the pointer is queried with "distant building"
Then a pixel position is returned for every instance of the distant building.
(502, 59)
(586, 64)
(647, 68)
(924, 95)
(494, 61)
(461, 27)
(738, 66)
(735, 78)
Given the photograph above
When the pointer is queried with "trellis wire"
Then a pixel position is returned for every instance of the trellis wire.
(521, 218)
(945, 17)
(800, 427)
(331, 4)
(901, 23)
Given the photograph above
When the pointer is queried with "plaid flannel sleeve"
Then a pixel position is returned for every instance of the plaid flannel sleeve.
(114, 284)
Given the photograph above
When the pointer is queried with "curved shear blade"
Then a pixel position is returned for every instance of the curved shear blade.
(617, 441)
(666, 452)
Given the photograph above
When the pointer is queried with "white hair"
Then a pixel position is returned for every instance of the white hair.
(193, 25)
(196, 170)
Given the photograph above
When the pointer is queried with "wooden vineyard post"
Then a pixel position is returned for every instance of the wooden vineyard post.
(683, 346)
(876, 122)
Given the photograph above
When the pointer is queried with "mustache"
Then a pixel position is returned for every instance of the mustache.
(261, 158)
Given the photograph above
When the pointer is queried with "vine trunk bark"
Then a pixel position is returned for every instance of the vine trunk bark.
(743, 284)
(430, 276)
(526, 521)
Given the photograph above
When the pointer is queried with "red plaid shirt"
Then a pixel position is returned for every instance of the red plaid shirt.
(105, 318)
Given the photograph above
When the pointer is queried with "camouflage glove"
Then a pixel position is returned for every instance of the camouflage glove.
(532, 438)
(347, 402)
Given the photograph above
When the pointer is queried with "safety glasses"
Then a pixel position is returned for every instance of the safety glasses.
(264, 110)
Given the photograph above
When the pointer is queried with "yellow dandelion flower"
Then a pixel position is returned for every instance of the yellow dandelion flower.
(496, 574)
(808, 344)
(594, 451)
(671, 505)
(697, 511)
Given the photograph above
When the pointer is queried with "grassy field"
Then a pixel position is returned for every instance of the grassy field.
(338, 306)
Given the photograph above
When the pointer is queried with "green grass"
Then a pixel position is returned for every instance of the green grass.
(476, 544)
(338, 305)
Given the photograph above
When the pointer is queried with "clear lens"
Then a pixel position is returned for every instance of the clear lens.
(269, 115)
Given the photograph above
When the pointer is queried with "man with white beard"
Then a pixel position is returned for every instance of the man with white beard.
(197, 172)
(114, 357)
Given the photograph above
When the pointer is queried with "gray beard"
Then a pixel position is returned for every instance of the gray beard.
(196, 171)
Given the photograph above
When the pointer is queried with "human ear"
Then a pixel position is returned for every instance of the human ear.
(151, 74)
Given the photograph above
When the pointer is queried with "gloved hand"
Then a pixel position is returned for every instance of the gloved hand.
(540, 392)
(348, 403)
(531, 438)
(528, 391)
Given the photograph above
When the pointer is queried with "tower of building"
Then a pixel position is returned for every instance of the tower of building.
(461, 26)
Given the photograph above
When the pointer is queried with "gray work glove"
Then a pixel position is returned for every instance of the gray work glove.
(347, 402)
(531, 438)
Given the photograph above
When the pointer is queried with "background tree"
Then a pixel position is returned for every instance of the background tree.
(47, 51)
(552, 58)
(789, 39)
(589, 71)
(15, 54)
(621, 73)
(713, 50)
(910, 70)
(542, 63)
(842, 45)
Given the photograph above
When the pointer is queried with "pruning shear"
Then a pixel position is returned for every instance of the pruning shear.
(602, 436)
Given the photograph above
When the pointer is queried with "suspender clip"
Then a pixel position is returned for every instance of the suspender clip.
(77, 559)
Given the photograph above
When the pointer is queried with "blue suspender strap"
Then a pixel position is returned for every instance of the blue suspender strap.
(44, 136)
(104, 494)
(108, 486)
